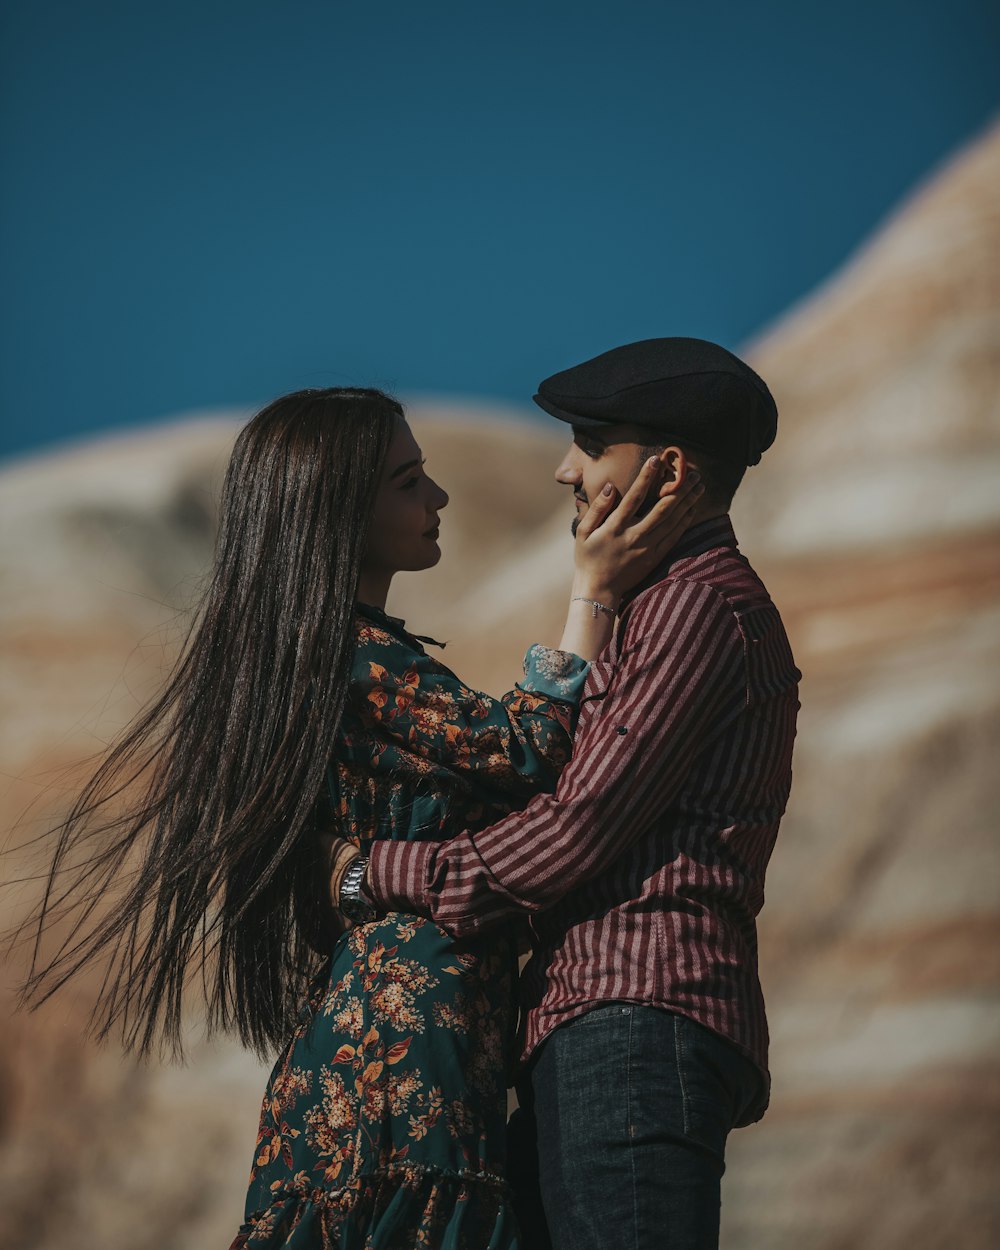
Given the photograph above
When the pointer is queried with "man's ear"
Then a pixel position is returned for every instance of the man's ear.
(675, 464)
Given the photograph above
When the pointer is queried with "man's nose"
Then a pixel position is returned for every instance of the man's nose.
(569, 472)
(440, 498)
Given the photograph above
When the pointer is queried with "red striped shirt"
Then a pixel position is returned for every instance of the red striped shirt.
(644, 872)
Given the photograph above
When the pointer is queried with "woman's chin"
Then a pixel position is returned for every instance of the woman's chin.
(429, 555)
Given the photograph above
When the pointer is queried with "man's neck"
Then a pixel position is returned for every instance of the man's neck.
(688, 542)
(705, 512)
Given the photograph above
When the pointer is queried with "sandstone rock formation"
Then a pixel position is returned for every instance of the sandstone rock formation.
(874, 520)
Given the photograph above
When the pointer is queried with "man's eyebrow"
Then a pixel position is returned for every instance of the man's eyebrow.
(404, 468)
(587, 436)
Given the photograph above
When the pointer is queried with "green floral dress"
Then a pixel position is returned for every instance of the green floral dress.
(383, 1123)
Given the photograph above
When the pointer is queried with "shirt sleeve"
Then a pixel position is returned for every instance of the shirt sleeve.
(681, 679)
(513, 746)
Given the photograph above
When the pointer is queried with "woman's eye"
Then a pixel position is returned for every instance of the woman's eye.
(411, 482)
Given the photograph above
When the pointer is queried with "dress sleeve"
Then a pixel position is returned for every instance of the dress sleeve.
(513, 746)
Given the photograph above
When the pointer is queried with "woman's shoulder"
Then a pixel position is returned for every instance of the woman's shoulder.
(375, 624)
(369, 633)
(382, 642)
(376, 627)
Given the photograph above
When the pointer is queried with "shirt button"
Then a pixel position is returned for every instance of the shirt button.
(622, 729)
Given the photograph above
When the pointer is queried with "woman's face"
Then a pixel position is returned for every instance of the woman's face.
(404, 526)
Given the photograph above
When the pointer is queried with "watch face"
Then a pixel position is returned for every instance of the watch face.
(357, 911)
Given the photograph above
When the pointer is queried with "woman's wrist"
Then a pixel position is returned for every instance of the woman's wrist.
(595, 606)
(598, 592)
(589, 628)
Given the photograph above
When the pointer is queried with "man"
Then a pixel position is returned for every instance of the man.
(645, 1037)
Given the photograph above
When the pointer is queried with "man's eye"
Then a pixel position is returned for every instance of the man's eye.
(591, 450)
(410, 483)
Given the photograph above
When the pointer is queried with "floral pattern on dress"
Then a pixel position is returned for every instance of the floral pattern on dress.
(383, 1122)
(552, 668)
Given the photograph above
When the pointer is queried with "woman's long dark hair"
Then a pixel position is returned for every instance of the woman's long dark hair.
(223, 776)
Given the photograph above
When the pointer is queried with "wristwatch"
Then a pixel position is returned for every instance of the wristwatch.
(353, 900)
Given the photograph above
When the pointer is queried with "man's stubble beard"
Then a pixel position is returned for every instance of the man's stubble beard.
(643, 455)
(580, 514)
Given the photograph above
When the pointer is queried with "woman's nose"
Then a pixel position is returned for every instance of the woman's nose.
(441, 497)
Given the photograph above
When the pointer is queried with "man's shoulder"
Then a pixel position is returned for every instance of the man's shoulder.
(716, 590)
(721, 578)
(716, 611)
(676, 611)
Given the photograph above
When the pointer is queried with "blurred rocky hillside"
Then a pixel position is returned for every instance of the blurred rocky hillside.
(875, 520)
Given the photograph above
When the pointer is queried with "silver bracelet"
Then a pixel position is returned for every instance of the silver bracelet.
(597, 607)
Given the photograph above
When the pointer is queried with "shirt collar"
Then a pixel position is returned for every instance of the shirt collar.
(395, 624)
(717, 531)
(705, 536)
(381, 617)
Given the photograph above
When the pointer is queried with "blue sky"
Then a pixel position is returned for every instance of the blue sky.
(211, 203)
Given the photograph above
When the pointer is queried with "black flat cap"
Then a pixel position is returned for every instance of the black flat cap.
(686, 389)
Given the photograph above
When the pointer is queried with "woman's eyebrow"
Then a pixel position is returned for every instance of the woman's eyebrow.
(404, 468)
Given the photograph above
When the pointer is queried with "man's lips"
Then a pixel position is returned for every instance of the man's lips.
(433, 533)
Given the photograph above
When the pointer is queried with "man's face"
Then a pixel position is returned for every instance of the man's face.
(609, 454)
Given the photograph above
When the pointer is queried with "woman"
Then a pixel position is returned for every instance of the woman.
(300, 706)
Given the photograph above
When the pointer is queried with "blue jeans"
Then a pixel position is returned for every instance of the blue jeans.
(631, 1106)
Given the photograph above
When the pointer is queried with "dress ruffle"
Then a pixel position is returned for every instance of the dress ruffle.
(398, 1208)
